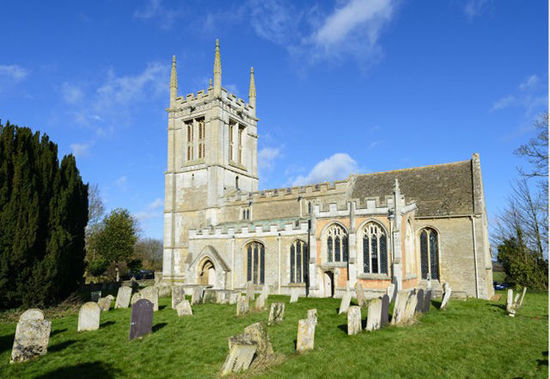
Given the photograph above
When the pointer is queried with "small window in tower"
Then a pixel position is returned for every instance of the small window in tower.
(240, 142)
(231, 139)
(201, 125)
(237, 182)
(189, 127)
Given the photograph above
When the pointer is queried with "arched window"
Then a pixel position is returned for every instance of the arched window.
(189, 125)
(236, 182)
(337, 244)
(375, 250)
(429, 253)
(255, 262)
(298, 261)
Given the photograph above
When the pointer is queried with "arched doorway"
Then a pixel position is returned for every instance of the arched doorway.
(328, 278)
(207, 273)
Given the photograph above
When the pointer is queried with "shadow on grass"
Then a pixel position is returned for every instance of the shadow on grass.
(543, 362)
(6, 342)
(343, 328)
(106, 323)
(161, 307)
(158, 326)
(501, 306)
(60, 346)
(58, 331)
(83, 370)
(436, 304)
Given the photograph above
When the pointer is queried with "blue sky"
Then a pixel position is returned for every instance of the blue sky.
(342, 86)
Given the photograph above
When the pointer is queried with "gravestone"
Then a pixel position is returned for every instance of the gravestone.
(239, 358)
(306, 335)
(233, 296)
(243, 306)
(260, 303)
(196, 297)
(164, 290)
(399, 307)
(354, 320)
(410, 307)
(123, 297)
(135, 297)
(294, 293)
(510, 303)
(390, 291)
(276, 313)
(344, 304)
(312, 315)
(142, 319)
(104, 303)
(419, 301)
(257, 334)
(360, 294)
(88, 316)
(178, 295)
(373, 316)
(427, 301)
(250, 291)
(151, 293)
(522, 296)
(385, 311)
(209, 296)
(184, 308)
(446, 295)
(95, 295)
(32, 335)
(221, 297)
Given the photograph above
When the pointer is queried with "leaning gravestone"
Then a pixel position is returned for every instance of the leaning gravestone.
(104, 303)
(446, 295)
(419, 301)
(411, 306)
(151, 293)
(257, 334)
(178, 295)
(243, 306)
(510, 303)
(427, 301)
(294, 293)
(95, 295)
(399, 307)
(142, 319)
(32, 335)
(306, 335)
(373, 316)
(312, 315)
(239, 358)
(390, 291)
(360, 294)
(344, 304)
(385, 311)
(88, 316)
(276, 313)
(354, 320)
(184, 308)
(196, 297)
(123, 297)
(522, 296)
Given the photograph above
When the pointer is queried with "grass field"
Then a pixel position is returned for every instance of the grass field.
(472, 338)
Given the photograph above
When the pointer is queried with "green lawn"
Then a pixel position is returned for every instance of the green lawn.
(472, 338)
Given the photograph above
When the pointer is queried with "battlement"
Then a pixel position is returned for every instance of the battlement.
(205, 96)
(255, 229)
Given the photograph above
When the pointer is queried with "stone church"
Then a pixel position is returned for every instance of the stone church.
(413, 227)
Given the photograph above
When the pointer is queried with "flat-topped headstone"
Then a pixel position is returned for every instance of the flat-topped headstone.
(276, 313)
(243, 306)
(151, 293)
(385, 311)
(178, 295)
(410, 307)
(210, 296)
(354, 320)
(446, 295)
(32, 314)
(427, 301)
(239, 358)
(510, 308)
(306, 335)
(123, 297)
(399, 307)
(104, 303)
(419, 301)
(142, 319)
(184, 308)
(265, 291)
(88, 316)
(344, 304)
(294, 294)
(31, 339)
(95, 295)
(196, 297)
(360, 294)
(390, 291)
(260, 303)
(373, 316)
(312, 315)
(250, 291)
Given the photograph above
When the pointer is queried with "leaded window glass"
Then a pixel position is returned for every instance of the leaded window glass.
(255, 262)
(429, 254)
(337, 244)
(298, 261)
(375, 251)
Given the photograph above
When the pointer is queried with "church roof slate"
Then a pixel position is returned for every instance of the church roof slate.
(439, 190)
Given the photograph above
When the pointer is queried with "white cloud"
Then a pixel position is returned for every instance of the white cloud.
(474, 8)
(530, 95)
(530, 83)
(152, 211)
(71, 93)
(80, 149)
(503, 103)
(13, 71)
(267, 156)
(275, 21)
(154, 9)
(121, 183)
(338, 166)
(156, 204)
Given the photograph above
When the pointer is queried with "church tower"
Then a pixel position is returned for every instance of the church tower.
(212, 151)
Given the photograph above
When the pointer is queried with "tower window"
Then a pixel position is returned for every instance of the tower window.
(240, 141)
(189, 125)
(231, 139)
(236, 182)
(201, 137)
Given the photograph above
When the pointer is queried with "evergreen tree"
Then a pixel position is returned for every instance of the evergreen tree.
(43, 213)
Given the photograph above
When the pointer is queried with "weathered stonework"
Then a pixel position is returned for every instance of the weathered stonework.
(32, 335)
(306, 335)
(276, 313)
(88, 316)
(354, 320)
(123, 297)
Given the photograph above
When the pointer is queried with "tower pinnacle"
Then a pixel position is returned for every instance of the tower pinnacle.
(252, 92)
(217, 71)
(173, 83)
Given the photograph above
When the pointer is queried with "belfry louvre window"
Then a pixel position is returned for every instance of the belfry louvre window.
(429, 253)
(202, 130)
(375, 250)
(298, 261)
(189, 127)
(240, 142)
(231, 139)
(337, 244)
(255, 262)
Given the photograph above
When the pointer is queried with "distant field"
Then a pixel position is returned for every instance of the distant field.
(472, 338)
(499, 276)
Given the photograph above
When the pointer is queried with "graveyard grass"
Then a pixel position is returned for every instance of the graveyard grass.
(472, 338)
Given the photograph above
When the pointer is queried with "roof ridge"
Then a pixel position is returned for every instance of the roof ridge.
(415, 168)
